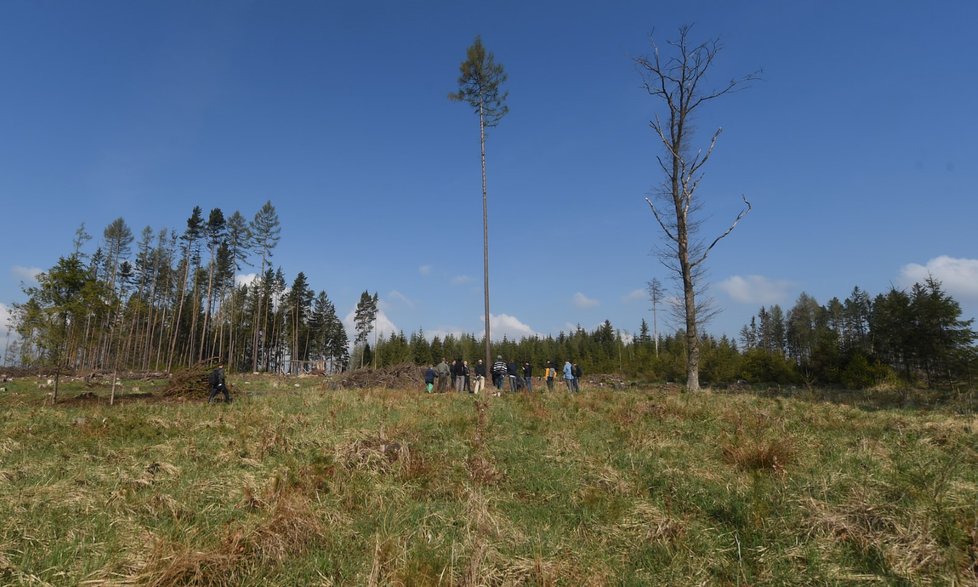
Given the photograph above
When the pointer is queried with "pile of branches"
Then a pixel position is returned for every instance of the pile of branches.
(402, 376)
(192, 381)
(605, 381)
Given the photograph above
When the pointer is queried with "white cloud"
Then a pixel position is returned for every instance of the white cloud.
(442, 332)
(582, 301)
(10, 336)
(424, 270)
(396, 295)
(383, 325)
(509, 326)
(756, 289)
(635, 295)
(5, 316)
(28, 274)
(461, 280)
(245, 279)
(959, 277)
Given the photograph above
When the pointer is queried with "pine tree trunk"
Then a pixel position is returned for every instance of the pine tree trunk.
(485, 231)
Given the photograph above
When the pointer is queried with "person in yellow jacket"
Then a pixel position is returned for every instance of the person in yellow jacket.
(550, 374)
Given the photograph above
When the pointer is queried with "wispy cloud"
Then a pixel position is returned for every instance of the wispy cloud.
(461, 280)
(756, 289)
(28, 274)
(424, 270)
(634, 296)
(959, 277)
(396, 295)
(582, 301)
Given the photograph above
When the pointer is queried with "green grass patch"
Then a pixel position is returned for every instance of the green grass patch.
(299, 485)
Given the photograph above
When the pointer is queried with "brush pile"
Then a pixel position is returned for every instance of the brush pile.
(192, 381)
(402, 376)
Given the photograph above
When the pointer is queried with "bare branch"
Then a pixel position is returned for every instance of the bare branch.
(729, 230)
(658, 219)
(697, 164)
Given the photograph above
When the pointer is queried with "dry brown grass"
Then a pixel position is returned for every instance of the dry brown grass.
(908, 548)
(285, 524)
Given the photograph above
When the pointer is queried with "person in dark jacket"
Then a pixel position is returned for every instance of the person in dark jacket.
(461, 372)
(577, 377)
(218, 384)
(515, 381)
(480, 377)
(528, 376)
(429, 379)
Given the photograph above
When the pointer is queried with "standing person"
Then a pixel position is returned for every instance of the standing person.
(218, 384)
(429, 379)
(468, 378)
(569, 376)
(499, 372)
(461, 371)
(443, 373)
(577, 377)
(550, 373)
(528, 376)
(513, 371)
(480, 377)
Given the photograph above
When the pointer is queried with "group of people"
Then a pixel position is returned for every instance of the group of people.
(444, 376)
(457, 376)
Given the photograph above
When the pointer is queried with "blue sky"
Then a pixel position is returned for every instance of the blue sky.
(857, 150)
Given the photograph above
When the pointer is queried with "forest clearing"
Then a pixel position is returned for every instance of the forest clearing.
(296, 483)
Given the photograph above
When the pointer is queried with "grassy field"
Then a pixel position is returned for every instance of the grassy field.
(295, 485)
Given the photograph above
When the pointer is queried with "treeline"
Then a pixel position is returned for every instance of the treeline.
(173, 301)
(170, 299)
(915, 337)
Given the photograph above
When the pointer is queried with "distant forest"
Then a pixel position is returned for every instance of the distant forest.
(170, 300)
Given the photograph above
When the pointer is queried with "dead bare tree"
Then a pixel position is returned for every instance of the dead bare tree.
(676, 80)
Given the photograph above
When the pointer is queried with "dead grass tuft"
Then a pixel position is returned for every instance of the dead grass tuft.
(650, 524)
(481, 467)
(373, 453)
(762, 454)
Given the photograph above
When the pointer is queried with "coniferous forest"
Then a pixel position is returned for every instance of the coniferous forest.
(167, 299)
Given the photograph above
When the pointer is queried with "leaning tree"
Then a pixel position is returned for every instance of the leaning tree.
(676, 81)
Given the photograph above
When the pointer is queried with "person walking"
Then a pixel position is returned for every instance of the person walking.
(550, 374)
(528, 376)
(429, 379)
(218, 383)
(569, 376)
(577, 377)
(480, 377)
